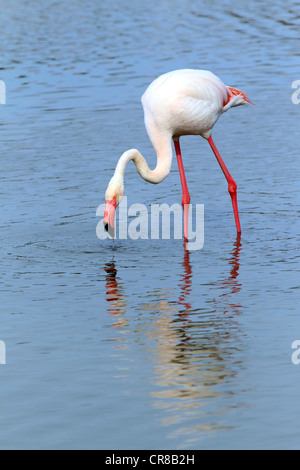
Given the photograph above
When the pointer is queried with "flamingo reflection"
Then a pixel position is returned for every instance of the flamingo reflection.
(230, 284)
(185, 283)
(115, 291)
(114, 294)
(189, 345)
(194, 352)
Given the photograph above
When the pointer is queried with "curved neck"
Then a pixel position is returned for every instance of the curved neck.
(163, 166)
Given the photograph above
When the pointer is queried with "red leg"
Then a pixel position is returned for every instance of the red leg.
(232, 187)
(186, 195)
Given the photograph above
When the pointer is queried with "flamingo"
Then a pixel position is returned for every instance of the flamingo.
(182, 102)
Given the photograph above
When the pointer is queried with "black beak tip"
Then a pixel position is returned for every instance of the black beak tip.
(109, 229)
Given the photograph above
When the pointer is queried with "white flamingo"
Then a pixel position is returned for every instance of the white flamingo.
(183, 102)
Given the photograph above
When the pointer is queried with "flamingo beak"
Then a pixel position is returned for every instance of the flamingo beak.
(109, 216)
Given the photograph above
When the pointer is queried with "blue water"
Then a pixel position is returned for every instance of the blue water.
(142, 344)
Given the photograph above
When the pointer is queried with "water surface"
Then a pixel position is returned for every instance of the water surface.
(141, 344)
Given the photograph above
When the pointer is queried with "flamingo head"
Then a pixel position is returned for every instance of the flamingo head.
(113, 196)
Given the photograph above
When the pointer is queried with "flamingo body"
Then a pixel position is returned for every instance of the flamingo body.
(187, 102)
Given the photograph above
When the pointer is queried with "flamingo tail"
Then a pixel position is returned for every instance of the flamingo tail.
(237, 92)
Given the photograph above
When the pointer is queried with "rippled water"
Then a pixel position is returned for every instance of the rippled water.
(141, 344)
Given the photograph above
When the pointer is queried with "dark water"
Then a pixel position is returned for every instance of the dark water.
(141, 344)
